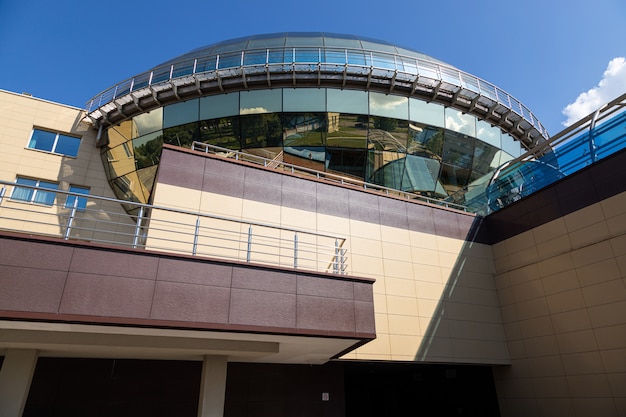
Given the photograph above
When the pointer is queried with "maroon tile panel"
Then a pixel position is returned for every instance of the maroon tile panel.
(28, 289)
(106, 262)
(17, 253)
(330, 314)
(188, 271)
(363, 318)
(263, 308)
(190, 302)
(264, 280)
(102, 295)
(310, 285)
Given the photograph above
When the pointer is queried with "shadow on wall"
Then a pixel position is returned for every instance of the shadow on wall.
(466, 325)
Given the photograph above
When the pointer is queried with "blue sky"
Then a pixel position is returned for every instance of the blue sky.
(548, 54)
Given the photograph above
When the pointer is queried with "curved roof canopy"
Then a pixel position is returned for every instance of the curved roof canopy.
(314, 60)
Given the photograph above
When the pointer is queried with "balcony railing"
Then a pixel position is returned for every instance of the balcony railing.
(90, 218)
(278, 164)
(415, 72)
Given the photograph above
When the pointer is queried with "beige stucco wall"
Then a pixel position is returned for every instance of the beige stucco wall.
(19, 114)
(434, 296)
(562, 288)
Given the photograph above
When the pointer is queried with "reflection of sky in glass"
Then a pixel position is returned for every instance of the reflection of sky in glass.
(487, 133)
(148, 122)
(389, 106)
(263, 101)
(459, 122)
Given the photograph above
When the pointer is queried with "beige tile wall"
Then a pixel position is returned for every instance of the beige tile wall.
(435, 299)
(562, 288)
(19, 114)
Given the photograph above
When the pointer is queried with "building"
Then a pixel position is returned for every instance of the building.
(278, 225)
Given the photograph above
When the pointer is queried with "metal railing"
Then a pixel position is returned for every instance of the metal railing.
(277, 164)
(594, 137)
(100, 219)
(396, 67)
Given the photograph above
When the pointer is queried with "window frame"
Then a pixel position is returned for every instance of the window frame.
(34, 195)
(55, 142)
(82, 201)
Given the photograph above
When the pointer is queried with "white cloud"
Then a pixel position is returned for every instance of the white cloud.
(612, 84)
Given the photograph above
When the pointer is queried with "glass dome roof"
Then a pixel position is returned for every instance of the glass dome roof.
(303, 40)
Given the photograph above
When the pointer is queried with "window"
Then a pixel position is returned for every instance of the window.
(44, 140)
(71, 199)
(32, 195)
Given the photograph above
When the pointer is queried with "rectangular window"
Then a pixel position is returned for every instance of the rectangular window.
(54, 142)
(71, 199)
(33, 195)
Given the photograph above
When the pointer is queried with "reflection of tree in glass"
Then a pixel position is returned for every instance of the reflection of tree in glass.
(385, 123)
(219, 132)
(149, 153)
(183, 135)
(259, 130)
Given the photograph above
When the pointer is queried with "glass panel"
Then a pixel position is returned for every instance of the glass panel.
(219, 106)
(148, 122)
(304, 129)
(300, 41)
(337, 56)
(259, 131)
(486, 159)
(307, 55)
(358, 58)
(183, 135)
(45, 197)
(347, 101)
(220, 132)
(67, 145)
(342, 43)
(147, 149)
(347, 131)
(387, 134)
(119, 160)
(255, 57)
(260, 101)
(487, 133)
(304, 99)
(389, 106)
(458, 150)
(206, 63)
(312, 157)
(266, 43)
(230, 60)
(510, 145)
(428, 113)
(347, 161)
(23, 194)
(385, 168)
(383, 61)
(82, 202)
(180, 113)
(42, 140)
(121, 133)
(378, 47)
(459, 122)
(425, 141)
(278, 56)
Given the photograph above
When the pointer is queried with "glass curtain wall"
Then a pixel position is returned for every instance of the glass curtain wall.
(394, 141)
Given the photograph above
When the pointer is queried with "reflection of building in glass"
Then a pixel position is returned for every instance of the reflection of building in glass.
(267, 253)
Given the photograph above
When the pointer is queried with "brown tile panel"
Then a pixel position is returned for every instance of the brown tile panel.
(190, 302)
(42, 288)
(263, 308)
(132, 287)
(16, 253)
(252, 182)
(582, 189)
(106, 295)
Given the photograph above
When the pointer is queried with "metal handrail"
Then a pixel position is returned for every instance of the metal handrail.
(401, 66)
(275, 164)
(160, 228)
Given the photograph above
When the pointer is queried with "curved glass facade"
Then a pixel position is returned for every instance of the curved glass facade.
(395, 141)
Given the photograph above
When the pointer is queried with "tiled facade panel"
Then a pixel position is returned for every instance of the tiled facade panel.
(434, 296)
(562, 290)
(63, 282)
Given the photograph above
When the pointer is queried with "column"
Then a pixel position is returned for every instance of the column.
(213, 387)
(15, 377)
